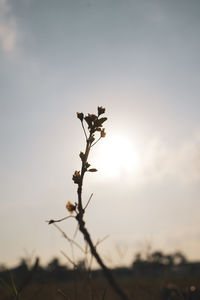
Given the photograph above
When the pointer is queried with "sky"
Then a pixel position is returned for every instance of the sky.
(138, 59)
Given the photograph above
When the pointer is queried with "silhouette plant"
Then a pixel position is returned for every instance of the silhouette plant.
(93, 134)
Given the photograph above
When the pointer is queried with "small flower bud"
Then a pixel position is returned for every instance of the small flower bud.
(92, 117)
(76, 177)
(88, 121)
(99, 122)
(91, 138)
(80, 116)
(87, 165)
(103, 133)
(101, 110)
(51, 222)
(82, 156)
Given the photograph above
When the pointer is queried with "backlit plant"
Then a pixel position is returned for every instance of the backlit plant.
(93, 132)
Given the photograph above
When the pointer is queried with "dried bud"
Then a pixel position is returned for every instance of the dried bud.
(76, 177)
(99, 122)
(92, 117)
(80, 116)
(51, 222)
(103, 133)
(70, 207)
(87, 165)
(101, 110)
(82, 156)
(92, 170)
(89, 121)
(91, 138)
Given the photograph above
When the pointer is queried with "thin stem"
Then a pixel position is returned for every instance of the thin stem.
(84, 130)
(88, 202)
(69, 259)
(75, 233)
(102, 240)
(69, 240)
(96, 141)
(59, 220)
(83, 170)
(62, 294)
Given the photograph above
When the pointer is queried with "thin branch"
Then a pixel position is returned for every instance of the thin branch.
(96, 141)
(63, 294)
(72, 250)
(102, 240)
(75, 233)
(84, 130)
(88, 202)
(69, 240)
(69, 259)
(104, 293)
(59, 220)
(91, 261)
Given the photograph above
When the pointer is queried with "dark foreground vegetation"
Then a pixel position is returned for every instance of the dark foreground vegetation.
(155, 277)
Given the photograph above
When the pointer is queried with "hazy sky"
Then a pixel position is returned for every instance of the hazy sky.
(139, 59)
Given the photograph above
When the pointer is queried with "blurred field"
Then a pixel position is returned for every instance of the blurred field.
(158, 276)
(136, 288)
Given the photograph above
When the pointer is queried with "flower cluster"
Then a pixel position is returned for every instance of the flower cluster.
(95, 124)
(93, 121)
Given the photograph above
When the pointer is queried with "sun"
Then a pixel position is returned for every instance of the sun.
(116, 156)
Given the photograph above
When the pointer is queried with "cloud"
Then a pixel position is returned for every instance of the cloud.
(189, 160)
(181, 163)
(8, 32)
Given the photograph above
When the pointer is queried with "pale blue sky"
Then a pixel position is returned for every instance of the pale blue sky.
(139, 59)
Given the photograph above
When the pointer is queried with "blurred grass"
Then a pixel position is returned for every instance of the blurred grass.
(136, 288)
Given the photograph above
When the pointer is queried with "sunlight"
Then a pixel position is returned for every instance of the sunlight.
(117, 155)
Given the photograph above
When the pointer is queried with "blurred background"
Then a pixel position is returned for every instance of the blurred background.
(138, 59)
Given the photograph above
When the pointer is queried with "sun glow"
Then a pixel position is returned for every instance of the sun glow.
(117, 156)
